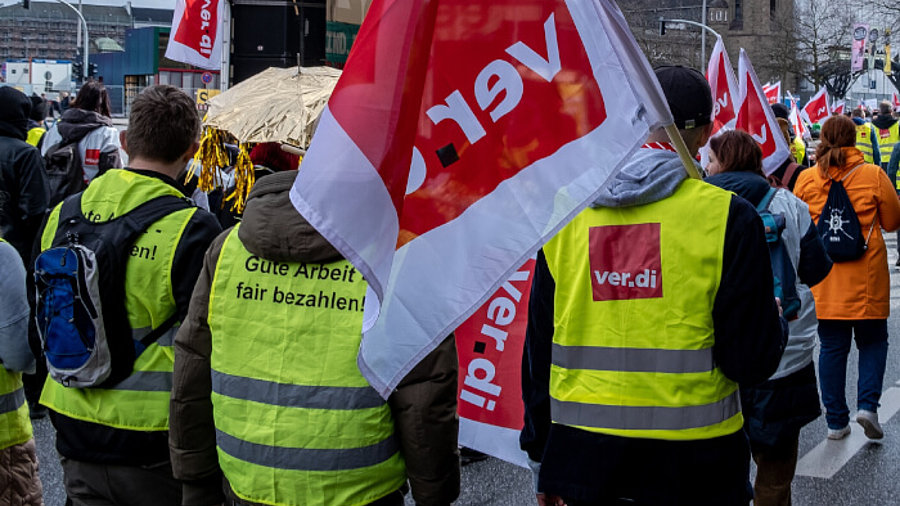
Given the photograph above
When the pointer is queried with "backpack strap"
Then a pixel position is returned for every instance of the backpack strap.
(789, 172)
(848, 174)
(155, 334)
(144, 215)
(766, 200)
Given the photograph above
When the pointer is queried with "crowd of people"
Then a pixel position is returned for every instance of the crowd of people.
(166, 342)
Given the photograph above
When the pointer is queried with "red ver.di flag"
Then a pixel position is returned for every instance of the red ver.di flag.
(773, 92)
(490, 345)
(463, 135)
(195, 38)
(816, 109)
(757, 119)
(724, 87)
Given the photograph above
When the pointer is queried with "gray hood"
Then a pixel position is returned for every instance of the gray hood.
(650, 175)
(273, 229)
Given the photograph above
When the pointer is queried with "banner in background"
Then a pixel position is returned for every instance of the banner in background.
(858, 46)
(482, 136)
(489, 345)
(195, 38)
(755, 117)
(837, 107)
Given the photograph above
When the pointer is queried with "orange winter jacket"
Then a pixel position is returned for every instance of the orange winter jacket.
(860, 289)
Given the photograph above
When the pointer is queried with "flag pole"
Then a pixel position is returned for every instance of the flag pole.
(683, 153)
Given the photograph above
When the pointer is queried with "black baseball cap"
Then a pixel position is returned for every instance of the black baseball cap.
(688, 95)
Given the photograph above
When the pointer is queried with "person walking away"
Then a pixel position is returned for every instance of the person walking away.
(796, 144)
(647, 311)
(113, 441)
(866, 138)
(854, 300)
(87, 126)
(785, 176)
(887, 131)
(776, 410)
(277, 405)
(36, 126)
(23, 191)
(19, 480)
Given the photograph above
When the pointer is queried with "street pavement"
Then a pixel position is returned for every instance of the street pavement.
(852, 471)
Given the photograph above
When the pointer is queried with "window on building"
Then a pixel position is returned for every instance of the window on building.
(773, 8)
(737, 20)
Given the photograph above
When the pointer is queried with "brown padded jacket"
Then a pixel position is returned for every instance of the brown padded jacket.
(423, 405)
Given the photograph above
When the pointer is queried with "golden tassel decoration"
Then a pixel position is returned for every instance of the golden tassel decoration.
(211, 156)
(244, 177)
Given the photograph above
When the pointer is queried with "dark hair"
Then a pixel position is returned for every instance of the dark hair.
(163, 124)
(838, 132)
(737, 152)
(93, 97)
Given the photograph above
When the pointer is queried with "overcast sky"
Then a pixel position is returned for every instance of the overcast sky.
(158, 4)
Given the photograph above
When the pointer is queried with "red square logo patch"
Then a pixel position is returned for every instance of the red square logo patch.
(625, 262)
(92, 157)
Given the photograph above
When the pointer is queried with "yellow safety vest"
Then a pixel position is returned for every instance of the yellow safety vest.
(798, 149)
(296, 422)
(864, 141)
(140, 401)
(34, 135)
(633, 340)
(15, 426)
(886, 140)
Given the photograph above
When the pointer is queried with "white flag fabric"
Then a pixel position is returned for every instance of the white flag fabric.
(196, 36)
(448, 155)
(797, 124)
(756, 117)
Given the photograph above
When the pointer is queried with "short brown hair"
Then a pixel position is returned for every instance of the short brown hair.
(162, 125)
(737, 152)
(838, 132)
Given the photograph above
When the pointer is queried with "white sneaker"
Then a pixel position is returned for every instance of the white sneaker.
(835, 434)
(869, 422)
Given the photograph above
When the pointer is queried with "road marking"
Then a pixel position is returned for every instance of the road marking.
(826, 459)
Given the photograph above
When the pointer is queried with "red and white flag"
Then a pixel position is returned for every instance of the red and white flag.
(196, 36)
(800, 129)
(838, 107)
(455, 145)
(896, 102)
(773, 92)
(816, 109)
(755, 117)
(724, 87)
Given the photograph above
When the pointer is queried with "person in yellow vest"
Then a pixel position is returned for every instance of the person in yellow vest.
(36, 126)
(113, 441)
(866, 139)
(267, 390)
(19, 480)
(887, 130)
(647, 311)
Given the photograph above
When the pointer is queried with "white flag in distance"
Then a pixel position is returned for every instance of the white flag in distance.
(454, 146)
(196, 37)
(757, 119)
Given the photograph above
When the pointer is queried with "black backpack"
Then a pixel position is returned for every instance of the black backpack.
(63, 169)
(782, 267)
(80, 283)
(839, 225)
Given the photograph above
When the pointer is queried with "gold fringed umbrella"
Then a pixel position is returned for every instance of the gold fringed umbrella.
(277, 105)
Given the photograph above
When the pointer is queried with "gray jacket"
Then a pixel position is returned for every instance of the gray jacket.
(15, 354)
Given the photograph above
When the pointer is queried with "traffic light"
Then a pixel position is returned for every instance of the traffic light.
(92, 70)
(77, 71)
(662, 26)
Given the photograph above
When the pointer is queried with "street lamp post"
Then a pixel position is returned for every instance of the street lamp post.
(703, 37)
(86, 38)
(700, 25)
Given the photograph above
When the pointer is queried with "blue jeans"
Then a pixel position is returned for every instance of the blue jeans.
(871, 341)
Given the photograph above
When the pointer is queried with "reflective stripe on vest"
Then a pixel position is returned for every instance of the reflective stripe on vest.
(296, 422)
(887, 138)
(140, 401)
(15, 425)
(633, 339)
(864, 141)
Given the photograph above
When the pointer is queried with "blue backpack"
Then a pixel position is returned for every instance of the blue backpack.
(80, 284)
(782, 267)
